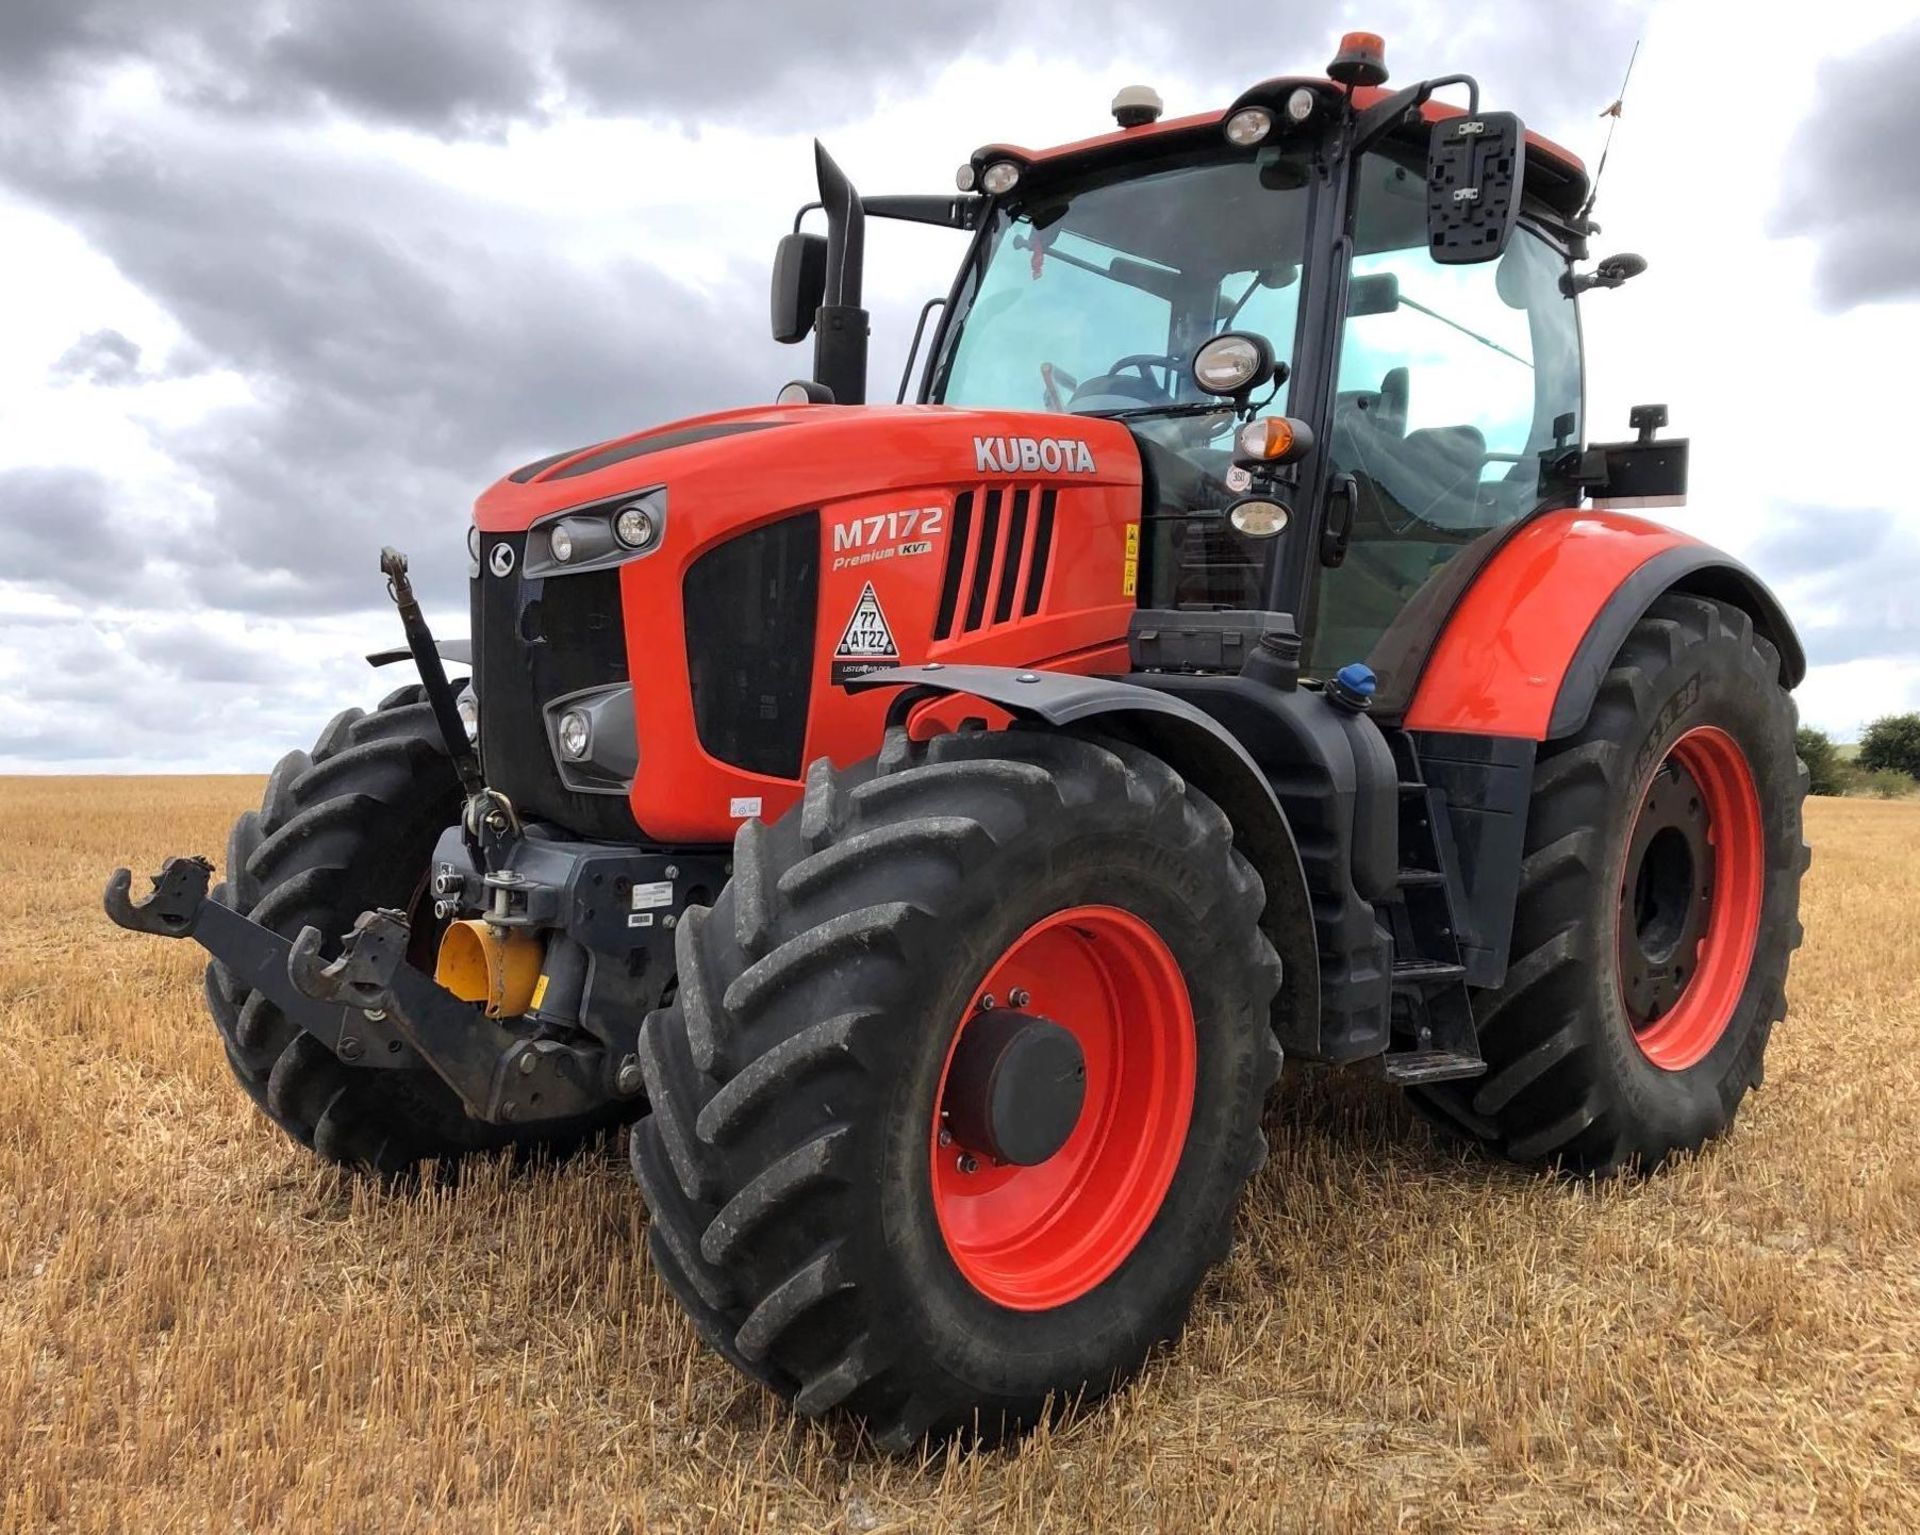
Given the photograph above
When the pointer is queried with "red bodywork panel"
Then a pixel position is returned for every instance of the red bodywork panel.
(1499, 663)
(864, 470)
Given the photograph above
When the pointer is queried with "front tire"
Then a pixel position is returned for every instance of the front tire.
(345, 828)
(1658, 909)
(802, 1206)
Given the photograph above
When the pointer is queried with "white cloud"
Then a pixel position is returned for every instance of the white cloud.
(1790, 407)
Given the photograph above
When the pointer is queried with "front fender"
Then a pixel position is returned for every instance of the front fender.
(1196, 746)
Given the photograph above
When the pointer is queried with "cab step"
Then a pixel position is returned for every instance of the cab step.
(1426, 970)
(1410, 1068)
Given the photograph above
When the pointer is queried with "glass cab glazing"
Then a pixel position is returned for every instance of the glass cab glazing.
(1450, 381)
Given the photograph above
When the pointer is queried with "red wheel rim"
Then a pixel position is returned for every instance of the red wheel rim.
(1690, 898)
(1032, 1238)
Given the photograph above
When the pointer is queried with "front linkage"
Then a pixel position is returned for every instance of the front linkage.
(375, 1011)
(599, 919)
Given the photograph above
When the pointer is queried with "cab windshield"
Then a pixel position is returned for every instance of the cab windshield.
(1093, 299)
(1451, 382)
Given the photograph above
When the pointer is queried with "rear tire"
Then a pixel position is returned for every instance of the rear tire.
(788, 1161)
(1585, 1069)
(344, 828)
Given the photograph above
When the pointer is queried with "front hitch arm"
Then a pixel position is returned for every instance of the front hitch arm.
(171, 909)
(369, 1006)
(178, 908)
(501, 1077)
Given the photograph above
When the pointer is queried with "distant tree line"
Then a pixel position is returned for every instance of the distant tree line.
(1887, 765)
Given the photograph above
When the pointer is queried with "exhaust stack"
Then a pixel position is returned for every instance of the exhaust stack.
(841, 325)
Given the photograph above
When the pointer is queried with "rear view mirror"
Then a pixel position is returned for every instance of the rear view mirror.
(1376, 293)
(799, 284)
(1475, 169)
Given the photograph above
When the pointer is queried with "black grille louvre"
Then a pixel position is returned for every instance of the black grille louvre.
(984, 554)
(999, 559)
(750, 607)
(1042, 548)
(959, 541)
(1010, 566)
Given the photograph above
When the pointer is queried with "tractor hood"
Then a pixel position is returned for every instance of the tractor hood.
(728, 470)
(795, 549)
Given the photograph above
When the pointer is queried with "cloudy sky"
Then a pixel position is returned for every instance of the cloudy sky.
(284, 280)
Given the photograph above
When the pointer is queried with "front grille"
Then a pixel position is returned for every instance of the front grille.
(996, 558)
(751, 606)
(534, 641)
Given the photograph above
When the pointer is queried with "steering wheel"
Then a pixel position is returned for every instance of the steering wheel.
(1120, 385)
(1145, 363)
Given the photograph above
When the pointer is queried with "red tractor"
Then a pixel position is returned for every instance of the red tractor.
(928, 824)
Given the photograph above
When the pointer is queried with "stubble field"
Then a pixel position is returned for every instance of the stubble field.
(201, 1329)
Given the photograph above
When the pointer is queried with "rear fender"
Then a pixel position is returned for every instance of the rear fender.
(1195, 746)
(1523, 651)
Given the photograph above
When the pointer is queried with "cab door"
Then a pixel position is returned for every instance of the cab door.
(1451, 383)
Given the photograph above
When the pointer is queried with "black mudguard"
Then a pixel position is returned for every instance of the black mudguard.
(1700, 571)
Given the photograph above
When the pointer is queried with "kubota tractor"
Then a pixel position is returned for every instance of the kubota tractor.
(929, 824)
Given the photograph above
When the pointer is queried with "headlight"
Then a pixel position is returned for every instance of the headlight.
(598, 536)
(473, 550)
(1001, 176)
(1300, 104)
(591, 734)
(1232, 363)
(1258, 518)
(469, 707)
(634, 526)
(965, 177)
(1249, 126)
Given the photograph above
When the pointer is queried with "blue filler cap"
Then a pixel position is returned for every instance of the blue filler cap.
(1353, 686)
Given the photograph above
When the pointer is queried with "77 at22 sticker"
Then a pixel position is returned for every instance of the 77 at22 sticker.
(866, 643)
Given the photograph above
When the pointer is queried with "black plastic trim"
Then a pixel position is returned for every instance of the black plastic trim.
(958, 542)
(1696, 569)
(658, 443)
(1486, 785)
(527, 472)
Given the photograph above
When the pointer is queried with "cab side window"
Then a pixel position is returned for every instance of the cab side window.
(1452, 382)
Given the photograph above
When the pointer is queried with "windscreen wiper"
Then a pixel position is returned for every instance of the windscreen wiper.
(1176, 408)
(1414, 303)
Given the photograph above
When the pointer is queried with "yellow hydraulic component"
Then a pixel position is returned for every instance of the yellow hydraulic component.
(482, 963)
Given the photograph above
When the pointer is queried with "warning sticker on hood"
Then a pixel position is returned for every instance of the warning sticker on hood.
(866, 644)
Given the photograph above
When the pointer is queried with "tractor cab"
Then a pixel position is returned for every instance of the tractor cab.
(1094, 293)
(1339, 324)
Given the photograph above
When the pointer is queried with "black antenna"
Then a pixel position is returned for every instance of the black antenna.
(1613, 113)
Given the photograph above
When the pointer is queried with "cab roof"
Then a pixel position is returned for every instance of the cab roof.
(1555, 175)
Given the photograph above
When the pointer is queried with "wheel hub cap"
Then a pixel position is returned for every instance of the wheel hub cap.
(1015, 1087)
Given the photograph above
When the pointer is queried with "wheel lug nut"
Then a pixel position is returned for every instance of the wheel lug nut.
(966, 1163)
(946, 1137)
(987, 1003)
(1018, 997)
